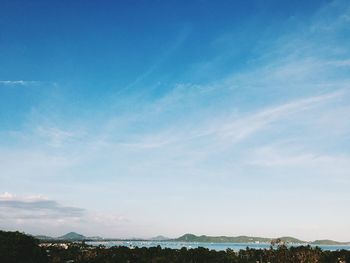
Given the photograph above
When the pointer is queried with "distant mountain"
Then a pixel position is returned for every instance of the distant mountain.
(221, 239)
(73, 236)
(159, 238)
(238, 239)
(328, 242)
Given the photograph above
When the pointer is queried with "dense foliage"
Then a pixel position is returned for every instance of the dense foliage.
(16, 247)
(20, 248)
(302, 254)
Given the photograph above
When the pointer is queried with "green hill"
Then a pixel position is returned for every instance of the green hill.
(247, 239)
(238, 239)
(72, 236)
(221, 239)
(328, 242)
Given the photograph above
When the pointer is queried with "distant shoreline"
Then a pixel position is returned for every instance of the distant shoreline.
(191, 238)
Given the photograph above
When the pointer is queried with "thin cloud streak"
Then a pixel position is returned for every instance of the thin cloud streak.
(18, 82)
(238, 128)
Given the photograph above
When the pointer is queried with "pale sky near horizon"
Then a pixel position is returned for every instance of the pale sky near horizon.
(144, 118)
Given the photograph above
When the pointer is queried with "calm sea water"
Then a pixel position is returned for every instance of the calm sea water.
(214, 246)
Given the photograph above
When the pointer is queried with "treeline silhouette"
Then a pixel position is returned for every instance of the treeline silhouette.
(20, 248)
(16, 247)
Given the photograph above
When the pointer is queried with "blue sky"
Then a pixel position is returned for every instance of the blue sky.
(140, 118)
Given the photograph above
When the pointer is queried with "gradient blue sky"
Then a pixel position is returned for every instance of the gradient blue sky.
(139, 118)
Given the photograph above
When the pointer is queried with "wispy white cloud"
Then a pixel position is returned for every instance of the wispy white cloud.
(248, 125)
(233, 129)
(56, 137)
(181, 38)
(339, 63)
(289, 156)
(18, 82)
